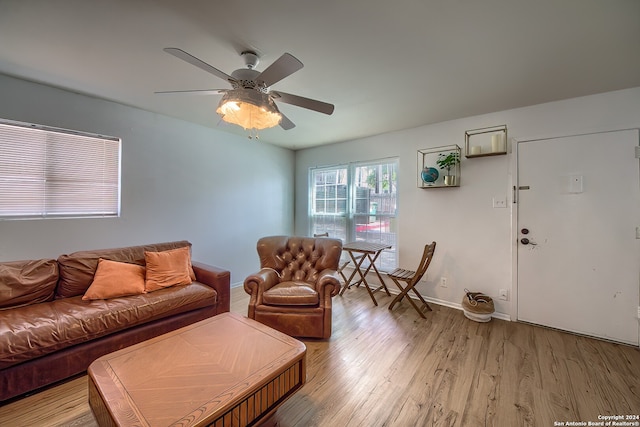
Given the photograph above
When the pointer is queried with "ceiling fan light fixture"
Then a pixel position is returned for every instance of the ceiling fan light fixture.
(249, 109)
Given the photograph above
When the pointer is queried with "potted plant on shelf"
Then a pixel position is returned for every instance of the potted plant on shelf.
(448, 161)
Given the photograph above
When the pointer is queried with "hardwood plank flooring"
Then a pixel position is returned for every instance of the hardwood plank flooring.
(383, 368)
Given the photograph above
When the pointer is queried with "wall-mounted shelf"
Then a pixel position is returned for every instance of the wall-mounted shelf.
(484, 142)
(431, 174)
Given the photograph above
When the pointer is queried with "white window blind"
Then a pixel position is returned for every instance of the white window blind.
(49, 172)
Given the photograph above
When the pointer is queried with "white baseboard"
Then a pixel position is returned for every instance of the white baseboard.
(457, 306)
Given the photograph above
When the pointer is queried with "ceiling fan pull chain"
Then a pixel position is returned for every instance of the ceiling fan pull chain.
(253, 133)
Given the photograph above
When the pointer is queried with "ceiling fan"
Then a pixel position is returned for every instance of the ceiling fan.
(250, 102)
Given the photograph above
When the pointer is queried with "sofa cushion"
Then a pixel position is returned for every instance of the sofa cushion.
(77, 269)
(27, 282)
(116, 279)
(64, 322)
(167, 268)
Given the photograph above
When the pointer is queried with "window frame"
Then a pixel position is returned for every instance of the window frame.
(350, 227)
(58, 177)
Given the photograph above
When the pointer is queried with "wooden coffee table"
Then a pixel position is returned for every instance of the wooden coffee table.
(224, 371)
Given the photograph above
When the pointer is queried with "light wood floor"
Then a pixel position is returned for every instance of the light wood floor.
(384, 368)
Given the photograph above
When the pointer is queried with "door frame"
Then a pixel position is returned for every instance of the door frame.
(513, 312)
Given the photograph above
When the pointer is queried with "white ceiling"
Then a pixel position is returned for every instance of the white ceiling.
(385, 65)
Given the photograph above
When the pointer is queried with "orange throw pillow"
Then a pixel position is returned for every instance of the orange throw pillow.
(167, 268)
(115, 279)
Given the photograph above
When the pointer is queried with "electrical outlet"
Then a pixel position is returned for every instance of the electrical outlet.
(504, 295)
(443, 282)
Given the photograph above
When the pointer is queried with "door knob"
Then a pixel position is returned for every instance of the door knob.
(524, 241)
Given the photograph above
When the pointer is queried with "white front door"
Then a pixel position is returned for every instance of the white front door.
(578, 248)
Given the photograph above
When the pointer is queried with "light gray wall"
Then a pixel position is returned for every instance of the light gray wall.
(179, 181)
(474, 239)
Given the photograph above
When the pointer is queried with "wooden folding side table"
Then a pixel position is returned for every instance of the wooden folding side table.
(371, 252)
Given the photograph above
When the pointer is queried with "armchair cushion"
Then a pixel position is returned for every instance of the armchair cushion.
(291, 293)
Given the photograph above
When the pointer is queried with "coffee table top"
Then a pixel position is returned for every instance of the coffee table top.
(193, 373)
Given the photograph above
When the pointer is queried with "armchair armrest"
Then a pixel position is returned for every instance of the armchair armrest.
(328, 283)
(217, 278)
(256, 284)
(261, 281)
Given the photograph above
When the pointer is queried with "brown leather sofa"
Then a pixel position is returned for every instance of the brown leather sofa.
(48, 333)
(292, 292)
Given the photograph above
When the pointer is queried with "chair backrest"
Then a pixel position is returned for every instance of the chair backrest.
(427, 256)
(299, 258)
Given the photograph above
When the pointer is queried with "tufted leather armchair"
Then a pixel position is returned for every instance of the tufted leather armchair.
(292, 292)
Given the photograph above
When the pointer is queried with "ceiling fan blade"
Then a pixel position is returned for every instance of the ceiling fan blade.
(284, 66)
(181, 54)
(193, 92)
(300, 101)
(285, 123)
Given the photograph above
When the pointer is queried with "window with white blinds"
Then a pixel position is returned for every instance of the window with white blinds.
(48, 172)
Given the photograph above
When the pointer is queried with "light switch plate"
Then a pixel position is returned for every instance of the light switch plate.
(499, 202)
(576, 184)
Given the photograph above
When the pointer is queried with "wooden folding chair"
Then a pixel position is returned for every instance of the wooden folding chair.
(344, 264)
(411, 278)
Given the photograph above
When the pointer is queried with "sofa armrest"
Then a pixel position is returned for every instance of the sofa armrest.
(217, 278)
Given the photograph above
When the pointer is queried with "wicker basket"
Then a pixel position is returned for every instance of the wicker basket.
(477, 306)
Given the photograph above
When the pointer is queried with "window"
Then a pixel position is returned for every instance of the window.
(357, 202)
(48, 172)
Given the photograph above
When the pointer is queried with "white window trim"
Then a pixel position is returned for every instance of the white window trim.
(351, 167)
